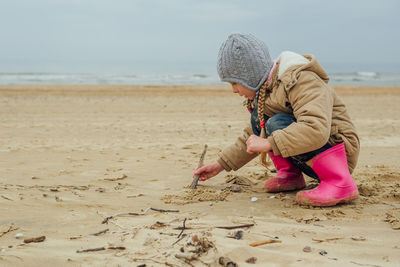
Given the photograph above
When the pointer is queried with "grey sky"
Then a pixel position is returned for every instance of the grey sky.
(100, 31)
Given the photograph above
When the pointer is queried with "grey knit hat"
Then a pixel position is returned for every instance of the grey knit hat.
(244, 59)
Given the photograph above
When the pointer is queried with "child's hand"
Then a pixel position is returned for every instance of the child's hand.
(256, 144)
(209, 170)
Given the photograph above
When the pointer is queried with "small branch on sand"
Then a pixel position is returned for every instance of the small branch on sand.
(186, 258)
(100, 232)
(235, 227)
(121, 214)
(161, 210)
(117, 247)
(327, 239)
(35, 239)
(183, 228)
(8, 229)
(271, 241)
(196, 177)
(182, 237)
(155, 261)
(91, 250)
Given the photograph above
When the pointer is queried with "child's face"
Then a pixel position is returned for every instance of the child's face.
(237, 88)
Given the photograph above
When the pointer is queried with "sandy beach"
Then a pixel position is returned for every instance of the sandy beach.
(108, 167)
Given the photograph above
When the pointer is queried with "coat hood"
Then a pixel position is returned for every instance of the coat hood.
(290, 64)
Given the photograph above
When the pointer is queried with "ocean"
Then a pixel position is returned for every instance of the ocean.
(157, 73)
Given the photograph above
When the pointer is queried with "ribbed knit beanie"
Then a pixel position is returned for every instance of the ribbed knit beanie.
(244, 59)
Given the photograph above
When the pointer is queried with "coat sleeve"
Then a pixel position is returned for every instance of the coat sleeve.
(235, 156)
(312, 105)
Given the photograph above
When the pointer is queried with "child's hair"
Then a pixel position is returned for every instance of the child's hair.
(263, 93)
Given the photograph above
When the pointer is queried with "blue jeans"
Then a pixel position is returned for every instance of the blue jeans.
(281, 121)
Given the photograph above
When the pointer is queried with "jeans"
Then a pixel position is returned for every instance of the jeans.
(281, 121)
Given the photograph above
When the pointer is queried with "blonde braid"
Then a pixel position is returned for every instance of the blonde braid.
(265, 90)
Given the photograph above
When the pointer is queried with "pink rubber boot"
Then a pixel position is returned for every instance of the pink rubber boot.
(288, 178)
(336, 186)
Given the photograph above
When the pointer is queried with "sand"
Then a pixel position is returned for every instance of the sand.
(73, 155)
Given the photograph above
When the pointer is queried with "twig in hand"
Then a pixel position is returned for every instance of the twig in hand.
(235, 227)
(327, 240)
(197, 176)
(35, 239)
(271, 241)
(100, 232)
(90, 250)
(161, 210)
(183, 228)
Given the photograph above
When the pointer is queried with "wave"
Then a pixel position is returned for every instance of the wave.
(361, 77)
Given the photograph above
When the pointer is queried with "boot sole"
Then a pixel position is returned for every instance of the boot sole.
(331, 202)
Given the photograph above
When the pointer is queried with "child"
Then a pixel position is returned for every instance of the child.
(295, 117)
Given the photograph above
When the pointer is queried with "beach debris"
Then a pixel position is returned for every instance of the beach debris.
(226, 262)
(197, 176)
(121, 214)
(323, 252)
(157, 225)
(100, 232)
(236, 235)
(122, 177)
(4, 229)
(117, 247)
(307, 249)
(211, 204)
(254, 199)
(35, 239)
(35, 178)
(235, 226)
(161, 210)
(134, 196)
(260, 243)
(367, 166)
(327, 239)
(7, 197)
(252, 260)
(183, 228)
(358, 238)
(75, 237)
(19, 235)
(91, 250)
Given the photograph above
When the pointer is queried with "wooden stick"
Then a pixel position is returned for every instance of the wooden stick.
(235, 227)
(161, 210)
(271, 241)
(100, 232)
(183, 229)
(327, 240)
(121, 214)
(197, 176)
(90, 250)
(35, 239)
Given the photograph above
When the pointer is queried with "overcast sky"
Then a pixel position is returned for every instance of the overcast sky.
(190, 31)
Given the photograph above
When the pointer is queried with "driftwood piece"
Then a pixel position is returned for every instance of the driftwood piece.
(197, 176)
(100, 232)
(90, 250)
(327, 239)
(121, 214)
(271, 241)
(35, 239)
(235, 227)
(183, 228)
(161, 210)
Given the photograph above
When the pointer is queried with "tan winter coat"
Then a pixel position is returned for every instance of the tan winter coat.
(302, 91)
